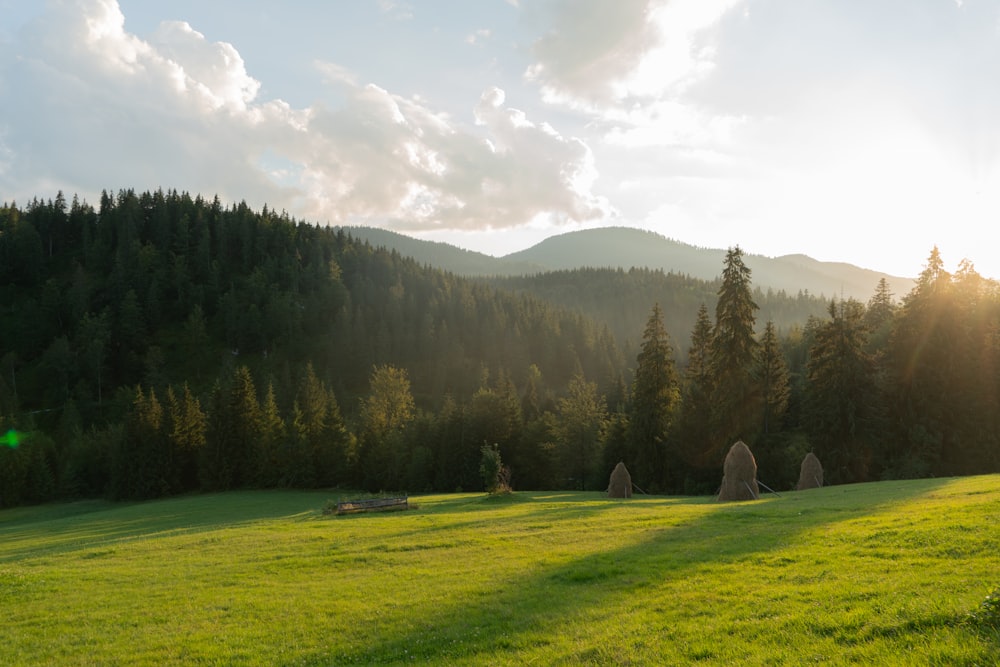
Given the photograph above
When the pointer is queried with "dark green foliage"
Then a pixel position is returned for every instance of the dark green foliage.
(736, 396)
(492, 470)
(165, 343)
(580, 421)
(944, 367)
(772, 378)
(655, 398)
(696, 445)
(143, 464)
(187, 427)
(385, 413)
(234, 430)
(620, 299)
(843, 401)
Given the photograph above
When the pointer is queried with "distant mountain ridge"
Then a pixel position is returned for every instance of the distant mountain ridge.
(624, 247)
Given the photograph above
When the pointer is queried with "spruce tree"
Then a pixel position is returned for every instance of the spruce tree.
(655, 398)
(270, 454)
(580, 421)
(921, 346)
(694, 432)
(733, 355)
(233, 433)
(843, 403)
(187, 426)
(772, 376)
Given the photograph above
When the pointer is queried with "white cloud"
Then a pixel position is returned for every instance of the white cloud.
(400, 11)
(215, 70)
(595, 45)
(100, 108)
(393, 159)
(336, 74)
(603, 54)
(631, 66)
(478, 37)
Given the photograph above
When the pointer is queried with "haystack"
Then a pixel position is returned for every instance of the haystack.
(620, 485)
(810, 474)
(739, 475)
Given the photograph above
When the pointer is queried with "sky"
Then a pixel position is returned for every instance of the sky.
(862, 132)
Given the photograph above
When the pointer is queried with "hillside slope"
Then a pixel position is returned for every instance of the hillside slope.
(884, 573)
(625, 248)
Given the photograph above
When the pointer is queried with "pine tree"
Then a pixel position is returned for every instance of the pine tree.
(324, 429)
(580, 421)
(269, 452)
(772, 376)
(698, 450)
(655, 398)
(843, 404)
(736, 395)
(921, 347)
(143, 462)
(233, 432)
(187, 427)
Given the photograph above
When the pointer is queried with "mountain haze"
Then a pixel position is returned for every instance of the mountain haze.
(625, 248)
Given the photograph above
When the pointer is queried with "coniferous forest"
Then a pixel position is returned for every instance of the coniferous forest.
(162, 343)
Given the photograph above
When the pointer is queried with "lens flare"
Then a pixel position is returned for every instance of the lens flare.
(11, 439)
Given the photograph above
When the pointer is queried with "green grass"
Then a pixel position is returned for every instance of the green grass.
(882, 573)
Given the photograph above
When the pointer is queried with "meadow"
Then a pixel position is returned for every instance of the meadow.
(885, 573)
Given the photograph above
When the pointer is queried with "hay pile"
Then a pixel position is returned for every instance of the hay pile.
(620, 485)
(810, 474)
(739, 475)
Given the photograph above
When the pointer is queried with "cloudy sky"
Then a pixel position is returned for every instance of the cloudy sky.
(865, 132)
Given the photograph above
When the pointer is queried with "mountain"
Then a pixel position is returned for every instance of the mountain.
(442, 255)
(623, 247)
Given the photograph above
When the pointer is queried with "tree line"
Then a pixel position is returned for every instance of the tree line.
(163, 343)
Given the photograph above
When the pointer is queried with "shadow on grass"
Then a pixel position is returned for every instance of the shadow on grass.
(517, 614)
(85, 525)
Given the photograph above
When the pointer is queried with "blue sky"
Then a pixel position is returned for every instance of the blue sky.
(865, 132)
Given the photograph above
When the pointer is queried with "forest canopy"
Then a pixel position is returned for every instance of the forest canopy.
(163, 343)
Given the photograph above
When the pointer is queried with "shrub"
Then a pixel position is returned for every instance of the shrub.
(986, 618)
(496, 476)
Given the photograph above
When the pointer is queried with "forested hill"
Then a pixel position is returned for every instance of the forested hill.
(162, 288)
(621, 299)
(163, 343)
(625, 248)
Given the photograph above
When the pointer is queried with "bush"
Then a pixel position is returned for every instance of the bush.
(496, 476)
(986, 618)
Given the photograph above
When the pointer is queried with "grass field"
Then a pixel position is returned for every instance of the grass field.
(869, 574)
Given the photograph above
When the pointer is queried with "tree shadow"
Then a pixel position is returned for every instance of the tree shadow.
(88, 525)
(502, 618)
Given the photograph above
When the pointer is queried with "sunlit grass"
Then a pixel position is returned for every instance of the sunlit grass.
(878, 573)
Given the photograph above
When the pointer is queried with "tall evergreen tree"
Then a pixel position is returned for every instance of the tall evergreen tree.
(187, 426)
(844, 407)
(736, 396)
(233, 431)
(655, 398)
(922, 373)
(324, 430)
(694, 433)
(580, 421)
(143, 463)
(772, 377)
(271, 452)
(771, 373)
